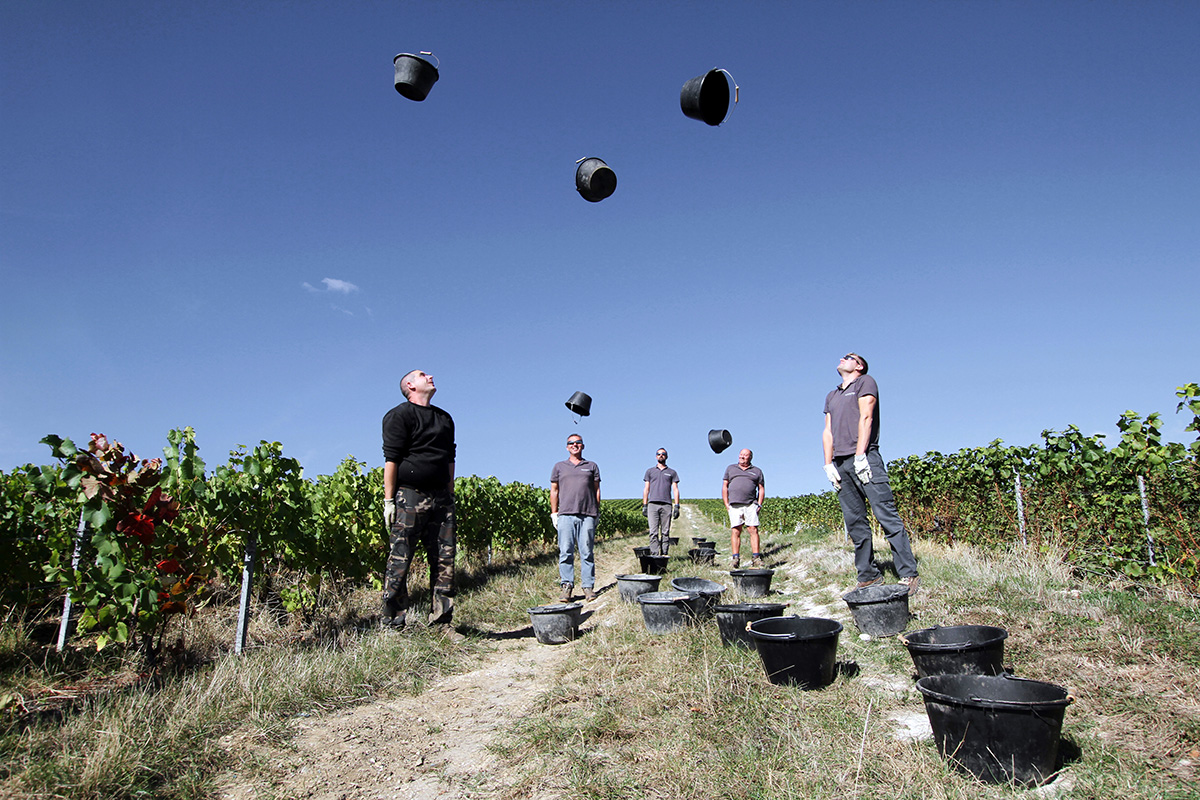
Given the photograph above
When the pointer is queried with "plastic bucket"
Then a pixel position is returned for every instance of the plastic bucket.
(664, 612)
(414, 75)
(752, 582)
(879, 610)
(630, 586)
(797, 650)
(706, 97)
(733, 620)
(653, 565)
(641, 551)
(556, 624)
(718, 438)
(998, 728)
(595, 180)
(702, 555)
(710, 592)
(957, 650)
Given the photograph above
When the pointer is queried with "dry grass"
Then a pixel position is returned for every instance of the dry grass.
(637, 715)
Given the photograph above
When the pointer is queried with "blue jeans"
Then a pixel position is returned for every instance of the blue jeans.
(852, 497)
(576, 532)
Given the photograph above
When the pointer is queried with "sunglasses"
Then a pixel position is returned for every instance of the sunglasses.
(575, 441)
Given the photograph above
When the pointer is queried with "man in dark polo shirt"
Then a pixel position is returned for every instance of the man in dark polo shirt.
(661, 482)
(574, 508)
(418, 500)
(855, 468)
(743, 491)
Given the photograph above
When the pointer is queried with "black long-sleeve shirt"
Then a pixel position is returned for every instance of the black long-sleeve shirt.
(420, 440)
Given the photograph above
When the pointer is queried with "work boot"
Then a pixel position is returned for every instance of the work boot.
(588, 594)
(756, 560)
(735, 561)
(567, 588)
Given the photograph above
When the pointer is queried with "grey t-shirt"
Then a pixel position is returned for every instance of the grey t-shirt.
(842, 407)
(660, 481)
(577, 485)
(743, 484)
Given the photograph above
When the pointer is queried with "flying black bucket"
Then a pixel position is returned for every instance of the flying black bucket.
(718, 440)
(957, 650)
(414, 75)
(594, 179)
(706, 97)
(998, 728)
(580, 403)
(879, 610)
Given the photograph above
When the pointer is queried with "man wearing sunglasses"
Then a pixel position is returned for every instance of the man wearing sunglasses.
(574, 508)
(660, 482)
(855, 468)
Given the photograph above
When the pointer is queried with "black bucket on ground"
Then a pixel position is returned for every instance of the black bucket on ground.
(630, 586)
(957, 650)
(556, 624)
(709, 591)
(734, 618)
(797, 650)
(414, 75)
(702, 555)
(752, 582)
(641, 551)
(998, 728)
(664, 612)
(595, 180)
(653, 565)
(880, 610)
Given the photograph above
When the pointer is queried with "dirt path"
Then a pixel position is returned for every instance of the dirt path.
(435, 746)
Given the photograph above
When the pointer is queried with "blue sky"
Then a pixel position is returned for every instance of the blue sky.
(223, 215)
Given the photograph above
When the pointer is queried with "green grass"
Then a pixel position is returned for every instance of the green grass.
(630, 714)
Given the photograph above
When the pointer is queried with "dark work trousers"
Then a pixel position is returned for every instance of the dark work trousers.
(852, 497)
(428, 519)
(659, 516)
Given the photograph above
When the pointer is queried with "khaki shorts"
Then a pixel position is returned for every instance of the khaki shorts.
(743, 515)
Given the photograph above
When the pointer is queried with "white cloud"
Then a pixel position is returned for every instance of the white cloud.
(335, 285)
(331, 285)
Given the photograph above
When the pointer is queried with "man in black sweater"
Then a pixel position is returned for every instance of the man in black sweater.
(418, 499)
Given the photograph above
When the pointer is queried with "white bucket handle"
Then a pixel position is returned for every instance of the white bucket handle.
(735, 93)
(438, 65)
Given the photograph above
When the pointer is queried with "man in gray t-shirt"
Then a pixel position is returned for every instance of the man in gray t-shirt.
(855, 468)
(743, 491)
(574, 508)
(660, 482)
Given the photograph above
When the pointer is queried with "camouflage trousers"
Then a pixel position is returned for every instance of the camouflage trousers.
(428, 519)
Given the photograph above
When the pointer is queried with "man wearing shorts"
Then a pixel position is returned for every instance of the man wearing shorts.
(743, 491)
(855, 468)
(660, 483)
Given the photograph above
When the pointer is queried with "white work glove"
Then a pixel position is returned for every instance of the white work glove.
(389, 512)
(554, 520)
(862, 469)
(834, 478)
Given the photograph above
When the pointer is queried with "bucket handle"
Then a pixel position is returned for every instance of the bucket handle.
(437, 66)
(735, 92)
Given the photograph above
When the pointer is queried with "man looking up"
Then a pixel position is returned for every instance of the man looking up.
(855, 468)
(418, 500)
(743, 491)
(660, 483)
